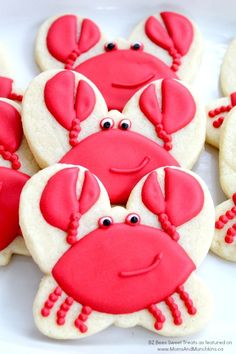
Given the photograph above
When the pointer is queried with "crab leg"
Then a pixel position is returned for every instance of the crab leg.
(217, 111)
(50, 302)
(82, 318)
(64, 308)
(11, 157)
(184, 296)
(175, 312)
(158, 315)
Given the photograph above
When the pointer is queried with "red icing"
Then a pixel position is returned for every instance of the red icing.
(119, 159)
(69, 105)
(119, 74)
(90, 192)
(63, 41)
(11, 133)
(64, 308)
(218, 122)
(149, 105)
(11, 184)
(158, 34)
(176, 99)
(59, 198)
(179, 184)
(176, 37)
(230, 234)
(85, 100)
(175, 205)
(59, 203)
(82, 318)
(152, 195)
(15, 97)
(184, 296)
(119, 249)
(222, 109)
(178, 108)
(51, 301)
(5, 86)
(174, 309)
(219, 110)
(6, 89)
(89, 36)
(158, 315)
(233, 99)
(73, 228)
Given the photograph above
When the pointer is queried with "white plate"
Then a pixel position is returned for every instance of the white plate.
(19, 20)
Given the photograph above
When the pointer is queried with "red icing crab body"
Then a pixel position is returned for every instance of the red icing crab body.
(127, 261)
(120, 73)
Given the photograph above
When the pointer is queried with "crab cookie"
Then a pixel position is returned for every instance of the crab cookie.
(166, 45)
(123, 266)
(224, 243)
(217, 112)
(16, 164)
(154, 129)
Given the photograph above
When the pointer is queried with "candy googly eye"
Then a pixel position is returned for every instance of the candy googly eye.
(125, 124)
(105, 222)
(110, 46)
(132, 219)
(107, 123)
(136, 46)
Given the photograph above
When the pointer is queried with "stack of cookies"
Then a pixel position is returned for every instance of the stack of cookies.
(115, 218)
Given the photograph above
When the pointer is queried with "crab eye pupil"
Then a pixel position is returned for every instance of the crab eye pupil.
(106, 125)
(106, 222)
(125, 126)
(134, 219)
(110, 46)
(136, 46)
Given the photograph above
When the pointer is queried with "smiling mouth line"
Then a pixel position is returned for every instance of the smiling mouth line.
(141, 271)
(134, 85)
(143, 164)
